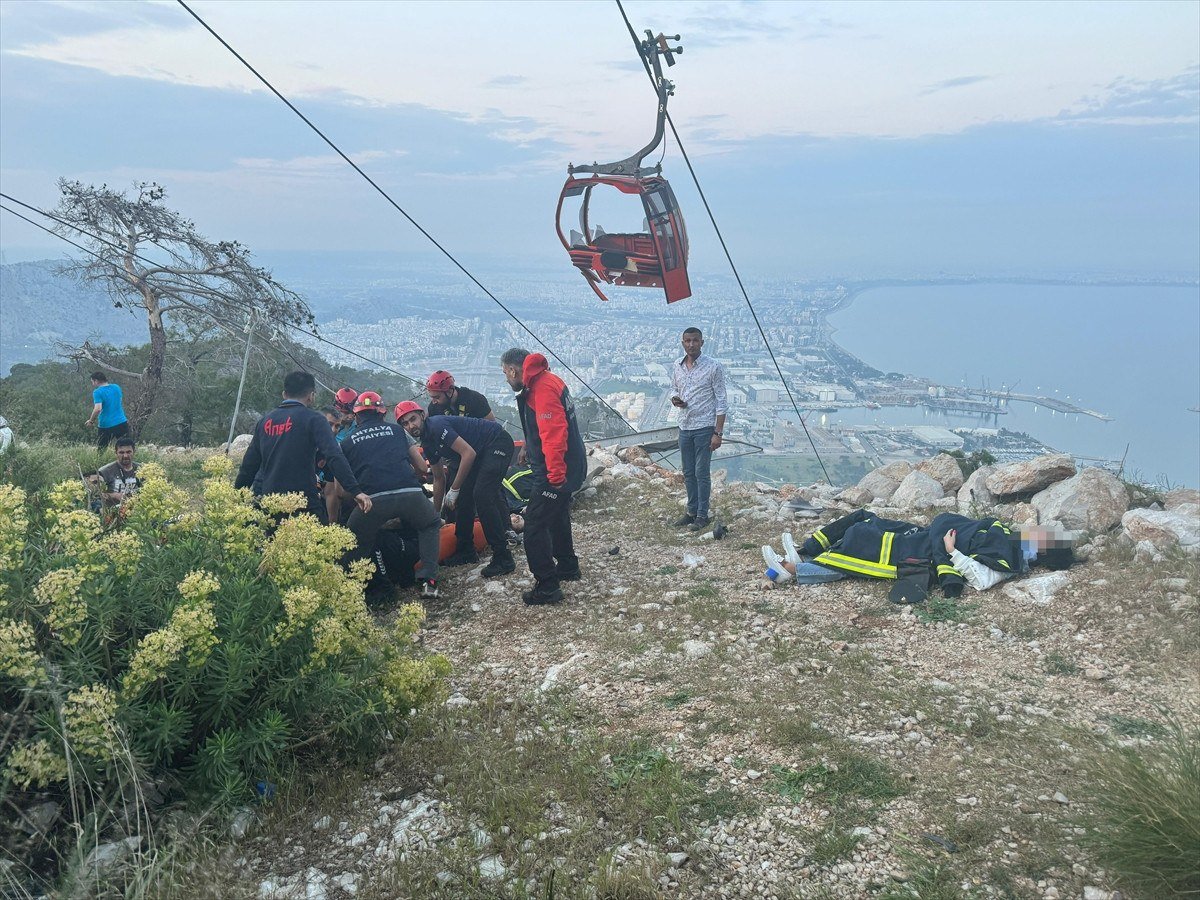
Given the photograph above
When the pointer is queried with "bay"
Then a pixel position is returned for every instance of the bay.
(1132, 353)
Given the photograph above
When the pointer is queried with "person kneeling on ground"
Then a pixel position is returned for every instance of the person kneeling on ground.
(386, 463)
(952, 551)
(120, 476)
(483, 450)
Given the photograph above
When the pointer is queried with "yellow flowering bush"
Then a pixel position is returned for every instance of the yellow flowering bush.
(202, 639)
(36, 764)
(14, 522)
(89, 716)
(19, 656)
(190, 634)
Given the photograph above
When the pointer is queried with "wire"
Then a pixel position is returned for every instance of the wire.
(386, 196)
(712, 218)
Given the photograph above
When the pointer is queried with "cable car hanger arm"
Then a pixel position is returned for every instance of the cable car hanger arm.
(650, 49)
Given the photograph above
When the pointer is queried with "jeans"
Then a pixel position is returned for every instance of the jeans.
(812, 573)
(695, 450)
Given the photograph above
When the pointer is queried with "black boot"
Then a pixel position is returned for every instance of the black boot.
(502, 563)
(462, 557)
(568, 570)
(544, 593)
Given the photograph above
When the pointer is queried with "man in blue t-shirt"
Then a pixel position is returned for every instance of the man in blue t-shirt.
(479, 452)
(108, 411)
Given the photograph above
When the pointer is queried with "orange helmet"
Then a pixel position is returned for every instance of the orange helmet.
(369, 401)
(404, 407)
(441, 380)
(345, 398)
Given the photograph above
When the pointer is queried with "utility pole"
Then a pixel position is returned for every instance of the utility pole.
(237, 405)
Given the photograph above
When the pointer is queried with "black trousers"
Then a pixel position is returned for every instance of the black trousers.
(482, 495)
(105, 435)
(548, 541)
(417, 515)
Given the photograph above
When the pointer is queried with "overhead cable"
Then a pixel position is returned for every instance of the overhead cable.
(386, 196)
(712, 218)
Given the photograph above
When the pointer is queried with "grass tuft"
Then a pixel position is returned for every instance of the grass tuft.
(1145, 824)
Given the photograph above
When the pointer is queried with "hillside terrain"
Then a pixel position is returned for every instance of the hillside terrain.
(677, 729)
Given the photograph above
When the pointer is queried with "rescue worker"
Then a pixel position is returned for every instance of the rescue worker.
(386, 464)
(448, 399)
(343, 402)
(555, 452)
(952, 551)
(281, 458)
(479, 452)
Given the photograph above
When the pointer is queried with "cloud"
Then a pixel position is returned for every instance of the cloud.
(950, 83)
(505, 81)
(1133, 101)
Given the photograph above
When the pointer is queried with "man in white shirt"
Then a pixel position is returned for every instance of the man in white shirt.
(698, 392)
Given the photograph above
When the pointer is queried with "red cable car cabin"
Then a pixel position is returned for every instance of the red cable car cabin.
(655, 257)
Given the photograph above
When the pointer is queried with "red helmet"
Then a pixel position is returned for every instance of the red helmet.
(369, 401)
(441, 380)
(345, 398)
(404, 407)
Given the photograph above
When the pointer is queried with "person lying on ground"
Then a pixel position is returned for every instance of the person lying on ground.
(952, 550)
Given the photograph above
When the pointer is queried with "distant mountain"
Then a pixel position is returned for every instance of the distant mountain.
(39, 308)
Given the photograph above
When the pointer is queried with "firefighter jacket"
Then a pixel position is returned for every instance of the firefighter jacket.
(865, 544)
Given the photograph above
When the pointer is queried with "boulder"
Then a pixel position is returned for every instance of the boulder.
(878, 485)
(1015, 513)
(855, 496)
(1181, 497)
(241, 443)
(1093, 500)
(974, 496)
(896, 471)
(1031, 475)
(943, 469)
(1039, 589)
(917, 491)
(1165, 528)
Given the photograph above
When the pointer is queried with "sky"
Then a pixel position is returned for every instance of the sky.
(832, 139)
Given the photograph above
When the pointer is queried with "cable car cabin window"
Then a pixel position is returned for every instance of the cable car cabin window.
(659, 208)
(666, 244)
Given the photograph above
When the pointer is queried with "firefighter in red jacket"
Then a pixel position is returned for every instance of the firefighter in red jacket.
(555, 452)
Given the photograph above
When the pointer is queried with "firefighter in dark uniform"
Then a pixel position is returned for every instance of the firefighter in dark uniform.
(448, 399)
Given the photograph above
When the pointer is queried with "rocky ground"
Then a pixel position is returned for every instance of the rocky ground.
(676, 729)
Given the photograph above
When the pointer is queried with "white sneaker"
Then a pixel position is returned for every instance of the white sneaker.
(775, 570)
(789, 549)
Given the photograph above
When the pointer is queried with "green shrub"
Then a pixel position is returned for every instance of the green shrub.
(186, 645)
(1145, 824)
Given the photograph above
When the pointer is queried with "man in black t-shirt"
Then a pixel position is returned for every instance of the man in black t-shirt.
(447, 399)
(385, 462)
(120, 477)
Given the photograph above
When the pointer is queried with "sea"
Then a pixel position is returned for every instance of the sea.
(1132, 353)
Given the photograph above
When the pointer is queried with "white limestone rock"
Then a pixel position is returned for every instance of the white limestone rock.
(1031, 475)
(974, 498)
(1093, 500)
(917, 491)
(943, 469)
(1165, 528)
